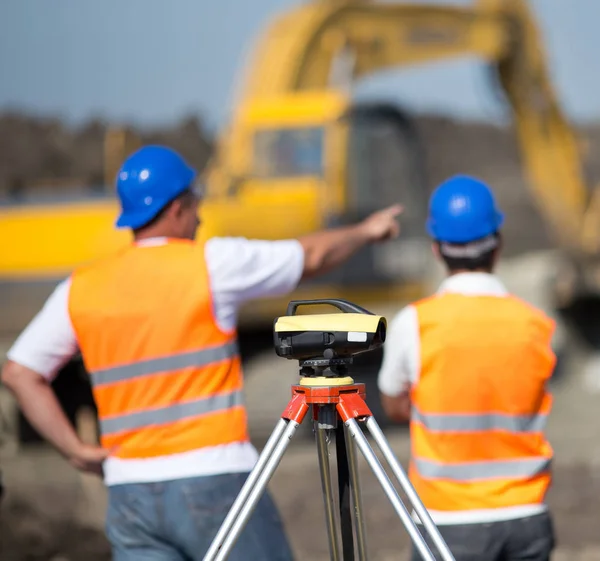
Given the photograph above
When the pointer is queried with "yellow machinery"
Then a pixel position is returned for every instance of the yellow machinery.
(299, 155)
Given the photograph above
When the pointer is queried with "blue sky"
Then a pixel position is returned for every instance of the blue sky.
(153, 61)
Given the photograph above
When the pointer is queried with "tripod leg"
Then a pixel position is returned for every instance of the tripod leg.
(344, 491)
(361, 539)
(390, 491)
(419, 507)
(325, 469)
(219, 550)
(248, 485)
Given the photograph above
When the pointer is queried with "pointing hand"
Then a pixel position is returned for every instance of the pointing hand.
(383, 225)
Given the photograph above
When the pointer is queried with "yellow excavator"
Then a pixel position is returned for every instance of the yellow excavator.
(300, 154)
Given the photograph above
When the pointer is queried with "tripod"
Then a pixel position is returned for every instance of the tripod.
(333, 398)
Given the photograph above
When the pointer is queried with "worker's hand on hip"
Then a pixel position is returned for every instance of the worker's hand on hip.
(383, 224)
(89, 459)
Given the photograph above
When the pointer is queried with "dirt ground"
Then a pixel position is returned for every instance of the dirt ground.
(27, 534)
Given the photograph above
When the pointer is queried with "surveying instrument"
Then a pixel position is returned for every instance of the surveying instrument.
(324, 345)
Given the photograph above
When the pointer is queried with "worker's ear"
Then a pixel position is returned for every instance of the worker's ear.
(179, 207)
(435, 249)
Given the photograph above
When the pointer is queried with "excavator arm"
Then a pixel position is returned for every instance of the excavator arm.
(549, 148)
(303, 48)
(300, 49)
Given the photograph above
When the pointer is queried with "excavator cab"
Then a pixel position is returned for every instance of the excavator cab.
(272, 176)
(310, 160)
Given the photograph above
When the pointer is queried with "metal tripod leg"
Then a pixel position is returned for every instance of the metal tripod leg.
(251, 492)
(410, 491)
(248, 486)
(325, 469)
(344, 494)
(390, 491)
(359, 523)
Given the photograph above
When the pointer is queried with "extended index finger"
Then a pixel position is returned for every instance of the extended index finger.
(396, 209)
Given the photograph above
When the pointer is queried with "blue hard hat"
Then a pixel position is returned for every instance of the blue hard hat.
(461, 210)
(148, 180)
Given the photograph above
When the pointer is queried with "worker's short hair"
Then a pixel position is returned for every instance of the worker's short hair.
(187, 196)
(470, 256)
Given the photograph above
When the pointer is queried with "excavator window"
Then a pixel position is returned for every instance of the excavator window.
(289, 152)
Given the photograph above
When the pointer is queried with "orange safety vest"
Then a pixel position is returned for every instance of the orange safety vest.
(165, 378)
(480, 404)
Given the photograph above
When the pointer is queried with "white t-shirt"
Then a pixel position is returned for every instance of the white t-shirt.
(401, 366)
(239, 270)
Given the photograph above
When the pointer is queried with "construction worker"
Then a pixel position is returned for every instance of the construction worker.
(468, 368)
(156, 327)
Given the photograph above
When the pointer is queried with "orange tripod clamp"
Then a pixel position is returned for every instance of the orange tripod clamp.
(349, 401)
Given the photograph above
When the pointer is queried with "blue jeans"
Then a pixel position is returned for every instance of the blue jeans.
(177, 521)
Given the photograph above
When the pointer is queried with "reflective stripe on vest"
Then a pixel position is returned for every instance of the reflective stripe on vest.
(174, 362)
(478, 471)
(438, 422)
(166, 379)
(480, 404)
(176, 412)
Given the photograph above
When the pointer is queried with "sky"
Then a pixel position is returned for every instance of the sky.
(151, 62)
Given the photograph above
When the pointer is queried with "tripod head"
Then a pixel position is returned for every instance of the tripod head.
(325, 344)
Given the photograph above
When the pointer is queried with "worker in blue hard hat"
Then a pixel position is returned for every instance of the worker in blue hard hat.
(468, 368)
(145, 192)
(156, 327)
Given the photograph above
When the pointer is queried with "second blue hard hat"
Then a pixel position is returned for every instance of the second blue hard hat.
(463, 209)
(148, 180)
